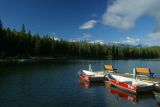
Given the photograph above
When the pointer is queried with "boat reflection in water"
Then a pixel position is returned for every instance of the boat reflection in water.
(120, 97)
(88, 85)
(135, 98)
(157, 96)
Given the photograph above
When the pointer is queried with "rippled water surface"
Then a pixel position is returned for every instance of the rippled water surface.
(56, 84)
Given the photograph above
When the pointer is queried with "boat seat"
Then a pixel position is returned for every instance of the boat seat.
(145, 71)
(109, 68)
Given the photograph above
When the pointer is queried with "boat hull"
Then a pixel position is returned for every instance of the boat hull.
(123, 86)
(91, 79)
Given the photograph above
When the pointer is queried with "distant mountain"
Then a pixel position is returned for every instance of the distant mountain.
(127, 45)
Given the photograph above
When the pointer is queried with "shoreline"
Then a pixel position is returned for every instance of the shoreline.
(30, 59)
(33, 59)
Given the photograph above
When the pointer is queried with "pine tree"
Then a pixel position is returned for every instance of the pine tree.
(23, 30)
(29, 33)
(1, 25)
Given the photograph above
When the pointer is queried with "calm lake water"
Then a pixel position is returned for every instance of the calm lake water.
(56, 84)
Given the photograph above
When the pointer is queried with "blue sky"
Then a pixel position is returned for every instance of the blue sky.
(95, 20)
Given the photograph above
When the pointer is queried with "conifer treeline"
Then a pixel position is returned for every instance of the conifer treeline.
(23, 44)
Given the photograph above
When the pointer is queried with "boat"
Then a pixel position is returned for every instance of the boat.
(130, 84)
(90, 76)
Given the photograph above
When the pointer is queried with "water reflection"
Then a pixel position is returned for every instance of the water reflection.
(88, 85)
(56, 84)
(135, 98)
(130, 96)
(157, 96)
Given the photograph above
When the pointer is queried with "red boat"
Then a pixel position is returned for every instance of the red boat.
(92, 76)
(129, 84)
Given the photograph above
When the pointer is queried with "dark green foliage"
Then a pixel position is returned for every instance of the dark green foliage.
(23, 30)
(23, 45)
(1, 25)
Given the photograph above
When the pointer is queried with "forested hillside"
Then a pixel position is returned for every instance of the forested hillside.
(23, 44)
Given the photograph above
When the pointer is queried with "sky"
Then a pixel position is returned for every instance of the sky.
(105, 21)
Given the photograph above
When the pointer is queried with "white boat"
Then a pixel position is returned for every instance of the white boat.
(130, 84)
(90, 76)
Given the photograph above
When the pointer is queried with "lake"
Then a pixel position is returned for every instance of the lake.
(55, 83)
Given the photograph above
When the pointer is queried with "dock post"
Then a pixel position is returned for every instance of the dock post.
(90, 68)
(134, 73)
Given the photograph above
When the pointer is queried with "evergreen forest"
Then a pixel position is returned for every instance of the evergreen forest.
(24, 44)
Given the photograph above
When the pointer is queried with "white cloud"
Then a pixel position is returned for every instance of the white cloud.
(86, 36)
(97, 41)
(154, 36)
(152, 39)
(123, 14)
(101, 42)
(88, 25)
(130, 40)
